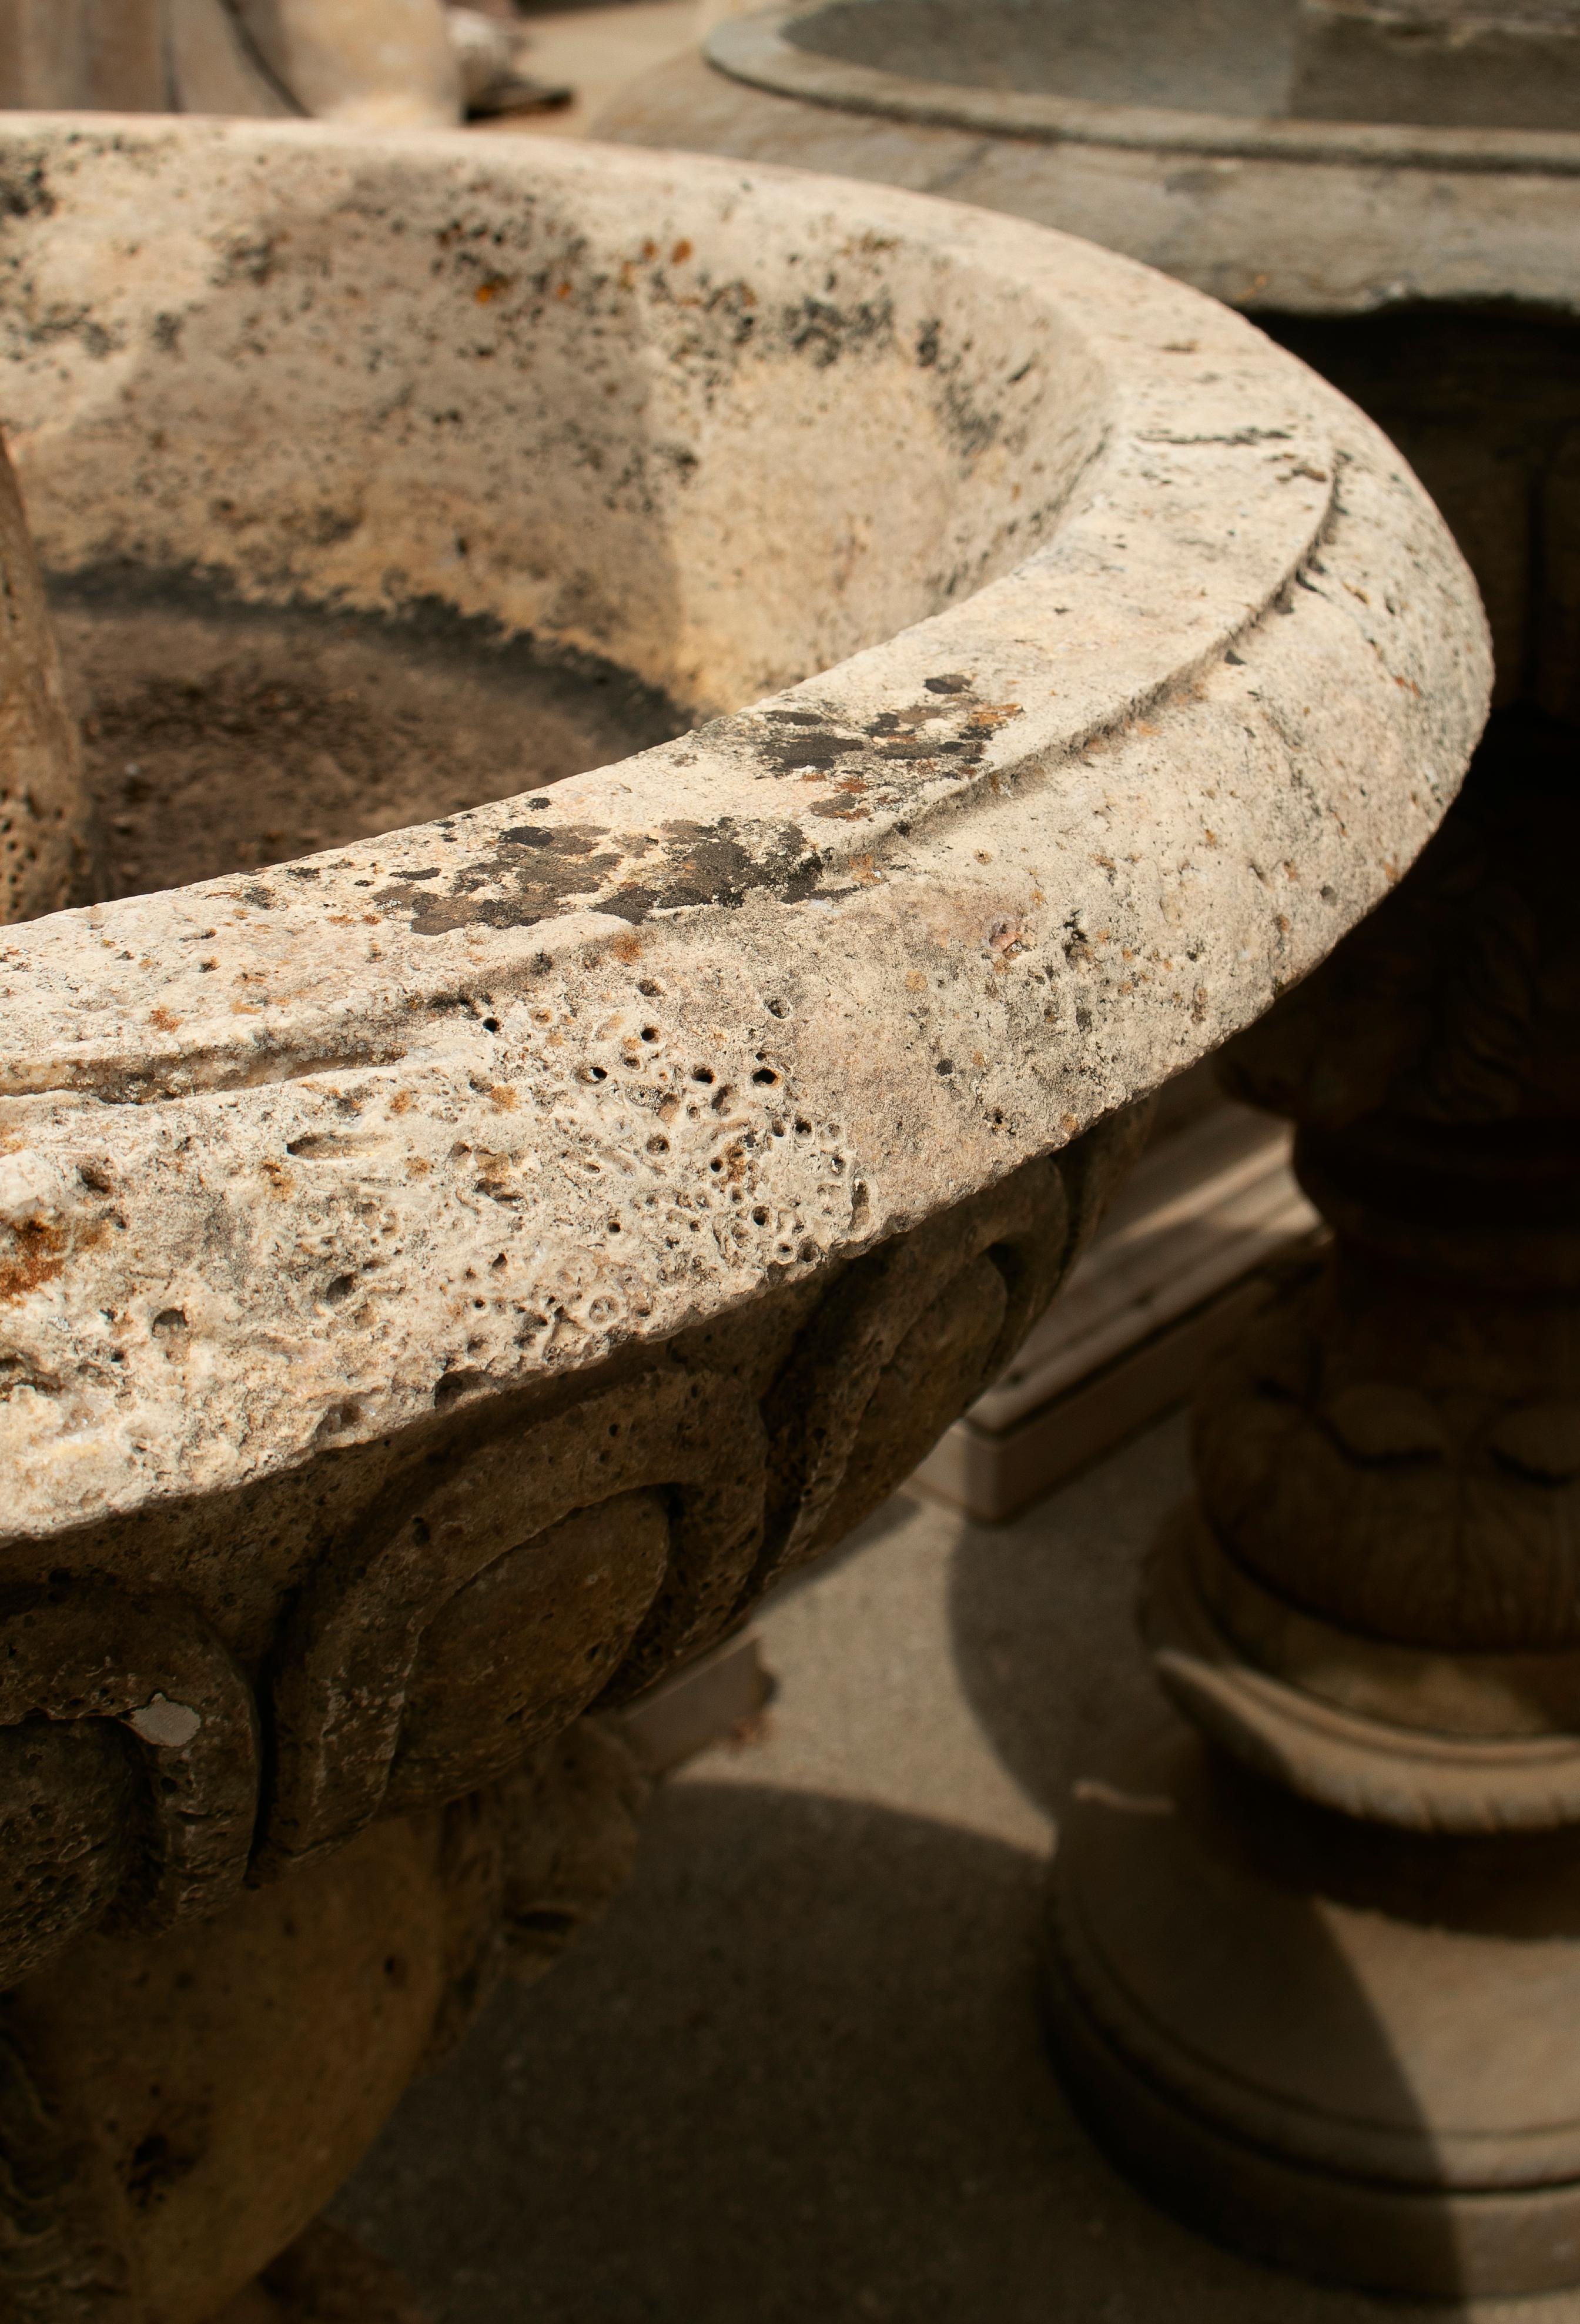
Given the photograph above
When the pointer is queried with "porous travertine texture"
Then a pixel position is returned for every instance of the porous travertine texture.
(1284, 156)
(1158, 668)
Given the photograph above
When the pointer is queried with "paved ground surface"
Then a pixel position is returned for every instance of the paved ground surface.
(796, 2076)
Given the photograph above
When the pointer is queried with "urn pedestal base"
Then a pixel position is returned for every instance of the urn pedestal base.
(1338, 2046)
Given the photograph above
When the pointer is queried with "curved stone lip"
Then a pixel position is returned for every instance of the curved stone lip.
(756, 50)
(1207, 723)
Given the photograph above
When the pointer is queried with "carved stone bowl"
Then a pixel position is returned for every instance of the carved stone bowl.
(445, 1275)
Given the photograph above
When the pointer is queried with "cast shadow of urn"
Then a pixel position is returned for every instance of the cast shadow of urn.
(799, 2072)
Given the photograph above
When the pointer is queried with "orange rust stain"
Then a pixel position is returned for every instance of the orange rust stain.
(503, 1097)
(162, 1017)
(279, 1177)
(681, 253)
(562, 289)
(626, 947)
(401, 1101)
(36, 1256)
(490, 289)
(991, 715)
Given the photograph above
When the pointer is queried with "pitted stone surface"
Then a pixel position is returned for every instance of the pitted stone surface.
(1103, 667)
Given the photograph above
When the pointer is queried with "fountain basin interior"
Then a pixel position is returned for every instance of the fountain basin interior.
(221, 736)
(659, 527)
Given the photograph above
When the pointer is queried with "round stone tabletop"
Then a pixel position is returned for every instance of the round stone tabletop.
(1317, 156)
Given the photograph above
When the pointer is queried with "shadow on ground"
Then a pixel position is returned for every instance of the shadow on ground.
(796, 2076)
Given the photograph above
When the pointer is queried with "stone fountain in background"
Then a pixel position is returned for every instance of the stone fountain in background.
(1320, 1995)
(515, 1150)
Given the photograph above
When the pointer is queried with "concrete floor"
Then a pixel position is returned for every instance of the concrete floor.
(796, 2076)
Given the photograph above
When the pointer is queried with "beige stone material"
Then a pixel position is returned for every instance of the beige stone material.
(391, 64)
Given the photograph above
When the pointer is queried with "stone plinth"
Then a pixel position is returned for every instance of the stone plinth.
(447, 1276)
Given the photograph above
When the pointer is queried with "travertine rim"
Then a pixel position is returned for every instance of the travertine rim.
(1210, 720)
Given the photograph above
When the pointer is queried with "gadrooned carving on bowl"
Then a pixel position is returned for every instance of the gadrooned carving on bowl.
(444, 1279)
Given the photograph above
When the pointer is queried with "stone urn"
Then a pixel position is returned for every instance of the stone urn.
(668, 753)
(1322, 2000)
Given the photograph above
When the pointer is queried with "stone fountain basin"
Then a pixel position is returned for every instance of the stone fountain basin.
(1063, 669)
(1324, 156)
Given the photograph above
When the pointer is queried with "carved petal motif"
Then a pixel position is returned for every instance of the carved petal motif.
(357, 1644)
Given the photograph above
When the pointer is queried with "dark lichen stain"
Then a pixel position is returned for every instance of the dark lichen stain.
(533, 871)
(26, 194)
(544, 868)
(816, 326)
(709, 863)
(804, 740)
(540, 867)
